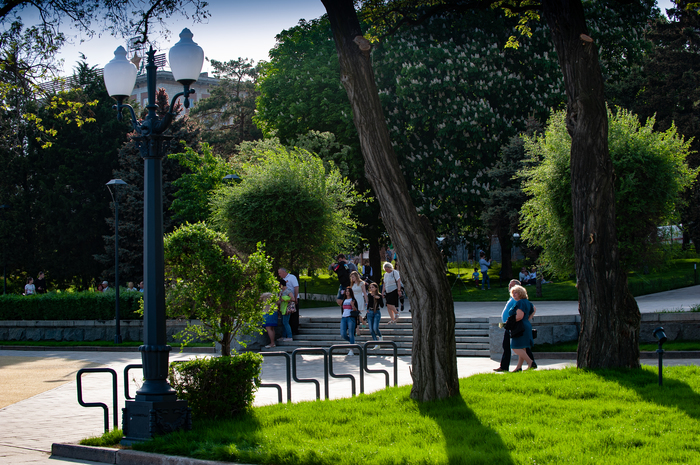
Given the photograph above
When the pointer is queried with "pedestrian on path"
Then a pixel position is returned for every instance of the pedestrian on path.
(485, 265)
(360, 291)
(391, 290)
(270, 323)
(293, 286)
(348, 314)
(374, 312)
(505, 358)
(523, 311)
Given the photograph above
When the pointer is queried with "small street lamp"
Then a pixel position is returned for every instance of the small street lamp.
(660, 336)
(115, 199)
(232, 178)
(156, 409)
(4, 208)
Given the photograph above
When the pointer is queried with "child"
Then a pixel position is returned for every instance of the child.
(287, 307)
(475, 276)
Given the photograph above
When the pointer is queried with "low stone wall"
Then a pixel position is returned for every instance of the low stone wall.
(81, 330)
(565, 328)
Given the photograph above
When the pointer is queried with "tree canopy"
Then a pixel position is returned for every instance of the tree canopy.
(226, 116)
(651, 174)
(290, 201)
(210, 282)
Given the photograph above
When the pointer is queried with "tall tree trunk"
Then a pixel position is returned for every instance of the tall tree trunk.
(506, 258)
(434, 359)
(610, 317)
(375, 259)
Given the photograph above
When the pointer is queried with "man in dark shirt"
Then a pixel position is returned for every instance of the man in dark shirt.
(40, 283)
(343, 271)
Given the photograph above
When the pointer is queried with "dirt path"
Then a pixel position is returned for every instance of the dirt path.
(25, 377)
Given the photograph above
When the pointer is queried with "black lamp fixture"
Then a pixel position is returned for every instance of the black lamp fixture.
(232, 178)
(115, 200)
(660, 335)
(156, 409)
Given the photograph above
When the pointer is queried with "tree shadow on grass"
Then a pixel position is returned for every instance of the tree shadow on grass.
(467, 440)
(674, 393)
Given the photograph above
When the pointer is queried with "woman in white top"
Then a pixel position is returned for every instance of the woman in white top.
(391, 290)
(359, 289)
(29, 289)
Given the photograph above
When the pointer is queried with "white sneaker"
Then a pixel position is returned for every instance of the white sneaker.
(375, 348)
(350, 352)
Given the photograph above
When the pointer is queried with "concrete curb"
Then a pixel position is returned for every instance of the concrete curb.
(123, 456)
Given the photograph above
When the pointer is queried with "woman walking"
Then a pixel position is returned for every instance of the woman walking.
(391, 290)
(374, 314)
(359, 289)
(523, 310)
(347, 322)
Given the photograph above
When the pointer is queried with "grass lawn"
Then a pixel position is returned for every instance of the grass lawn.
(679, 274)
(540, 417)
(573, 346)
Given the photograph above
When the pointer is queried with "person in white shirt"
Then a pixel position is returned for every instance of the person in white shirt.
(292, 285)
(391, 290)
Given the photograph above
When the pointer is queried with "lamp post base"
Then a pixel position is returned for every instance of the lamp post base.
(142, 420)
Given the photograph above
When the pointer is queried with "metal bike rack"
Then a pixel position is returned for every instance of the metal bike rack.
(386, 373)
(100, 404)
(311, 380)
(126, 379)
(339, 347)
(287, 358)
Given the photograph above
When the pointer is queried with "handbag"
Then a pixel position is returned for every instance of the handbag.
(516, 327)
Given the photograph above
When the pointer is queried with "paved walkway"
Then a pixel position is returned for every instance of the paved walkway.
(678, 299)
(29, 427)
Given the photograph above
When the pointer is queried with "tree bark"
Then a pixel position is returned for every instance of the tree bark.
(434, 361)
(610, 317)
(506, 256)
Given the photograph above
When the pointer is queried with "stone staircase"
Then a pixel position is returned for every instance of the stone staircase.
(471, 334)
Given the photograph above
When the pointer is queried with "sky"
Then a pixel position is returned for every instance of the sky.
(235, 28)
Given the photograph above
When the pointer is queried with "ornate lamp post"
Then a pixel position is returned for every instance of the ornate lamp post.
(115, 199)
(156, 409)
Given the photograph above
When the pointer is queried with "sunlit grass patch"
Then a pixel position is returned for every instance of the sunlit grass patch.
(553, 416)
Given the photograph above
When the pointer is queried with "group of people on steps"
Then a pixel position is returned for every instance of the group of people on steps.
(359, 300)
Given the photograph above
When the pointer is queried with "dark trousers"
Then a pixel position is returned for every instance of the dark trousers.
(505, 358)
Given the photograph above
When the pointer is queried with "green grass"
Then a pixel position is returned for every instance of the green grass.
(540, 417)
(679, 274)
(91, 344)
(573, 346)
(108, 439)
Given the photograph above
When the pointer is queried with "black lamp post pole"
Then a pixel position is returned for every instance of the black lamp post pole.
(115, 198)
(118, 332)
(156, 409)
(4, 208)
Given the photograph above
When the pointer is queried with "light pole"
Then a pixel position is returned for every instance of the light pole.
(4, 208)
(115, 199)
(156, 409)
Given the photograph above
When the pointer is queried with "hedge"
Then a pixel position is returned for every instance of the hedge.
(217, 387)
(86, 305)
